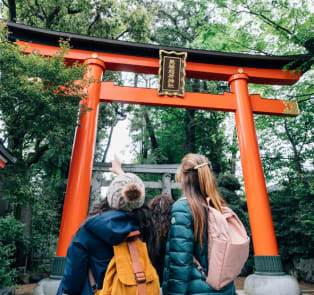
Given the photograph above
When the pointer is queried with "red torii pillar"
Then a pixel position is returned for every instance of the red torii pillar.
(78, 187)
(257, 200)
(261, 223)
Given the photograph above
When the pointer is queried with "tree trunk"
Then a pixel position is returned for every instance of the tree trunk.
(12, 10)
(26, 219)
(190, 122)
(151, 133)
(233, 152)
(109, 142)
(150, 130)
(190, 131)
(296, 156)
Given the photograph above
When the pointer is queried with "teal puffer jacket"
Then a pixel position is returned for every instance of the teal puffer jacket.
(180, 274)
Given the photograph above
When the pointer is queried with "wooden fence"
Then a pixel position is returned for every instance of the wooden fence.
(165, 184)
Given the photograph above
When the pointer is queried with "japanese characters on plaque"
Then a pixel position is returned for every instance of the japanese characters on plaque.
(171, 73)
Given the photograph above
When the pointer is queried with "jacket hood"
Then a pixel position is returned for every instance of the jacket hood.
(111, 226)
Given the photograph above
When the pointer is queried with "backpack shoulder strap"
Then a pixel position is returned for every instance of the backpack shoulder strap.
(138, 269)
(181, 199)
(136, 263)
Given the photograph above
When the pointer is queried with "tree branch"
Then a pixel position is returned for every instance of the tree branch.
(37, 11)
(35, 157)
(73, 11)
(306, 123)
(150, 129)
(51, 16)
(40, 9)
(118, 112)
(264, 18)
(5, 3)
(301, 95)
(303, 100)
(121, 34)
(89, 30)
(109, 141)
(294, 148)
(179, 31)
(12, 10)
(253, 49)
(272, 23)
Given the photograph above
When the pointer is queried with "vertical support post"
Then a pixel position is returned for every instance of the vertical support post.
(78, 187)
(267, 259)
(166, 184)
(95, 191)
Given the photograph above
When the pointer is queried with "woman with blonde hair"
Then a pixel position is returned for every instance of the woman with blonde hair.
(187, 236)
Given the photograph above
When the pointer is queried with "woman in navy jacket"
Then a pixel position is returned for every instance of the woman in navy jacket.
(121, 212)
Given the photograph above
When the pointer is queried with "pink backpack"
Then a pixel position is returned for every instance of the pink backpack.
(228, 247)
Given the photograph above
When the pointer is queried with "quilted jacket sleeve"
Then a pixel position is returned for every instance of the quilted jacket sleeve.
(179, 255)
(75, 273)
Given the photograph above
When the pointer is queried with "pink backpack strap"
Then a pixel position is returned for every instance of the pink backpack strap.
(182, 199)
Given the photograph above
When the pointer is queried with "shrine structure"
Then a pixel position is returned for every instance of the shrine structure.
(5, 156)
(100, 55)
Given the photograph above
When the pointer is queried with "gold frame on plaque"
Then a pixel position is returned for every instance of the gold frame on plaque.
(171, 73)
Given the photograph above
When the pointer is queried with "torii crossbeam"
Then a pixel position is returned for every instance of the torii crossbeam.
(238, 69)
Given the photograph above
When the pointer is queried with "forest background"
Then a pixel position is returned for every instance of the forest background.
(38, 123)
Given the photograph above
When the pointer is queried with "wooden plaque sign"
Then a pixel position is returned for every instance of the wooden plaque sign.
(171, 73)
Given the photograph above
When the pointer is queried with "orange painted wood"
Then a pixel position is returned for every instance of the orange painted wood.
(132, 95)
(78, 187)
(214, 102)
(118, 62)
(2, 164)
(263, 233)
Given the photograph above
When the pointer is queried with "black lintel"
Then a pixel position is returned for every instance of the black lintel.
(48, 37)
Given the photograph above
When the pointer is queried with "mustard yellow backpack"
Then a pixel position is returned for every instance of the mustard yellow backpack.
(130, 271)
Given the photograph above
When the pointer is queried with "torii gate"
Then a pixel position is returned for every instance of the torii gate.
(238, 69)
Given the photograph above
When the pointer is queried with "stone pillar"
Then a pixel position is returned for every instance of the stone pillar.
(95, 191)
(166, 184)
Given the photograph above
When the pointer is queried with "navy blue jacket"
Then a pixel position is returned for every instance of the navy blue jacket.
(181, 276)
(92, 248)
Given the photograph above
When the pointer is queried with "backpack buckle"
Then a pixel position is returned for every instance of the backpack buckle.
(140, 277)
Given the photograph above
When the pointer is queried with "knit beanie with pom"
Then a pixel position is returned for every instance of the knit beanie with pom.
(126, 192)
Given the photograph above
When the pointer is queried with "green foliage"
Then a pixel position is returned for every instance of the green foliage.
(228, 185)
(266, 27)
(180, 131)
(112, 19)
(7, 273)
(293, 209)
(11, 234)
(39, 103)
(286, 143)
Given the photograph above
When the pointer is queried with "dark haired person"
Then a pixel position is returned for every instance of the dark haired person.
(160, 207)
